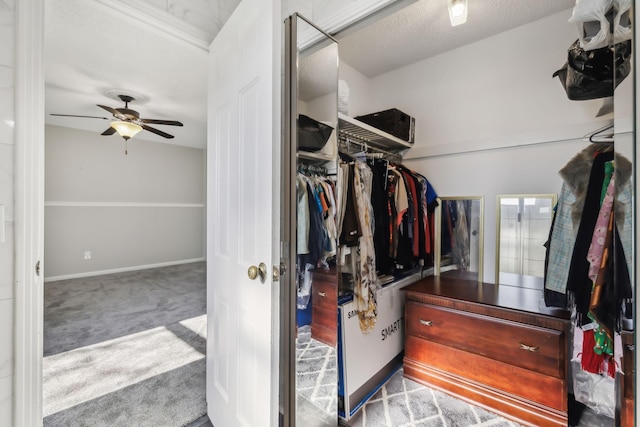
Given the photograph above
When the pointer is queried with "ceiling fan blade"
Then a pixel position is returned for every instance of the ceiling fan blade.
(162, 122)
(109, 131)
(113, 111)
(156, 131)
(73, 115)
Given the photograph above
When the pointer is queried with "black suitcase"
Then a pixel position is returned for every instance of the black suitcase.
(392, 121)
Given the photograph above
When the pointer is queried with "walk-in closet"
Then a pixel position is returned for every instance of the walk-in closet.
(460, 221)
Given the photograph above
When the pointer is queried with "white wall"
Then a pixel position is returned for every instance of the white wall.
(131, 211)
(7, 114)
(490, 119)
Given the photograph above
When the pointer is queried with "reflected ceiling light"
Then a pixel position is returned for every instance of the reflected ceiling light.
(127, 130)
(457, 12)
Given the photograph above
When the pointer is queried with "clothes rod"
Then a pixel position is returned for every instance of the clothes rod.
(347, 141)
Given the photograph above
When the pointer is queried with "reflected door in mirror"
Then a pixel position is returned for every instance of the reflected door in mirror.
(522, 226)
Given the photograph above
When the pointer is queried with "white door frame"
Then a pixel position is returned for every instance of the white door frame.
(29, 213)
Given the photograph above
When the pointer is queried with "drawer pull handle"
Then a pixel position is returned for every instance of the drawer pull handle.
(530, 348)
(426, 322)
(322, 294)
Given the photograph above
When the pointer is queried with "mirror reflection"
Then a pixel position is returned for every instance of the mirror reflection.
(625, 152)
(317, 285)
(459, 237)
(502, 135)
(523, 222)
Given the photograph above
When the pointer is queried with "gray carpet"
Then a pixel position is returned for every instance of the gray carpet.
(126, 349)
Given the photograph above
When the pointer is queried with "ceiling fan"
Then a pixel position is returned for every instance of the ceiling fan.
(128, 122)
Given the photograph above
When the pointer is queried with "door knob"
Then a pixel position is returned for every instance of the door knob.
(260, 270)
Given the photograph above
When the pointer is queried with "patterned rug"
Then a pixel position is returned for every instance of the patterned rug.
(317, 372)
(404, 403)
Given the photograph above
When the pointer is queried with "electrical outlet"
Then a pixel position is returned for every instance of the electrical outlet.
(87, 254)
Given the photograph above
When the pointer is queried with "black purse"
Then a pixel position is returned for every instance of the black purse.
(312, 135)
(594, 73)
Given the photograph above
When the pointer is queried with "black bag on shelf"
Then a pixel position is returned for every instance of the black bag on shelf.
(591, 74)
(312, 135)
(392, 121)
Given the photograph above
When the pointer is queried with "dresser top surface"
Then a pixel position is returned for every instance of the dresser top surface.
(499, 296)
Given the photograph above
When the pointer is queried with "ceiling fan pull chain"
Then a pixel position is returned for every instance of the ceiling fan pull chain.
(126, 142)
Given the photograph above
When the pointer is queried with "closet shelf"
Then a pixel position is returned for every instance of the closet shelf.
(321, 157)
(372, 136)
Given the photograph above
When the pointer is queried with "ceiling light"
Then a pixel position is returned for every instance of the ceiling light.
(126, 130)
(457, 12)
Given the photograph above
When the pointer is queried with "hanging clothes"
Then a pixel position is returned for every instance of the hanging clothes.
(366, 283)
(461, 255)
(316, 232)
(578, 281)
(575, 176)
(351, 230)
(382, 238)
(594, 205)
(384, 228)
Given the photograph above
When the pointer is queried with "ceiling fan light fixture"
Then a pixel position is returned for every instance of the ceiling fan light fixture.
(127, 130)
(457, 12)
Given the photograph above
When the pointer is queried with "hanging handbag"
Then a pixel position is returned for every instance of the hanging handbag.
(312, 134)
(594, 73)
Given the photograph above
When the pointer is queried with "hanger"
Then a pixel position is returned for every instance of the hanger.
(597, 137)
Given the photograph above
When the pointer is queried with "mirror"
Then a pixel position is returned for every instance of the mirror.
(314, 110)
(459, 242)
(625, 152)
(494, 131)
(523, 222)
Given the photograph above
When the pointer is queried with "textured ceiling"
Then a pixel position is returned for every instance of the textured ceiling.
(422, 30)
(94, 46)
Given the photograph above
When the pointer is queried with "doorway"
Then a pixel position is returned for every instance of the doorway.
(124, 224)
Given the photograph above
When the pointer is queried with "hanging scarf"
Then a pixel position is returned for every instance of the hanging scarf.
(366, 280)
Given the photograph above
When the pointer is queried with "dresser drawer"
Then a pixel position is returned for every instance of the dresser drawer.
(534, 348)
(326, 318)
(492, 374)
(324, 325)
(324, 292)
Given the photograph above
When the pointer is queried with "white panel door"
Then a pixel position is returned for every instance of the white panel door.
(243, 217)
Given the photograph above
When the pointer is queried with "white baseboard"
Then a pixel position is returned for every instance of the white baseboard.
(120, 270)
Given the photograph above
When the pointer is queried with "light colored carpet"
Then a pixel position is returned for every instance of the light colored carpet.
(126, 349)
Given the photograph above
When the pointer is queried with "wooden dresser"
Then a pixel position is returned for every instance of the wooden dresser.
(497, 347)
(324, 306)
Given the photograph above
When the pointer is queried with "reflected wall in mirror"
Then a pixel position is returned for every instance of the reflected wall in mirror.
(314, 109)
(459, 239)
(523, 222)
